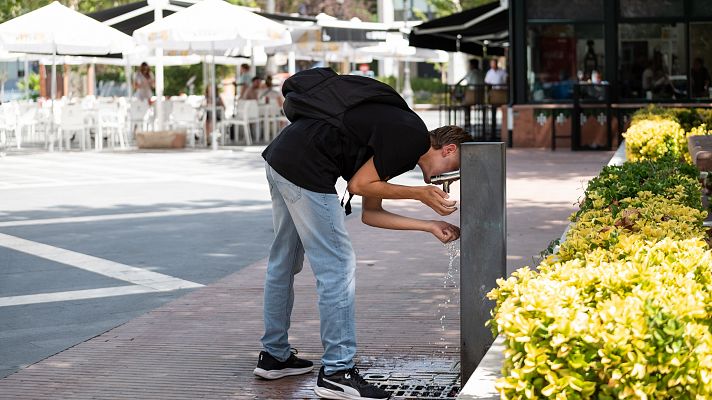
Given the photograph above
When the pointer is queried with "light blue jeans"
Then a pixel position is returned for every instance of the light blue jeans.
(311, 222)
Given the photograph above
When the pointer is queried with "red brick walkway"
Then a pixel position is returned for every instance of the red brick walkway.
(205, 344)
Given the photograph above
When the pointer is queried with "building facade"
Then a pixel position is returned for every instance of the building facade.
(647, 50)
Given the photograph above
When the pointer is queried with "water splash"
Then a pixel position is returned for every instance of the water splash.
(450, 282)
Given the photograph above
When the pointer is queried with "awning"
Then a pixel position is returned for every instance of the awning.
(470, 30)
(132, 16)
(129, 17)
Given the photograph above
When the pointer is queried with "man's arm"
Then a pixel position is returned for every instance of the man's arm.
(368, 184)
(374, 215)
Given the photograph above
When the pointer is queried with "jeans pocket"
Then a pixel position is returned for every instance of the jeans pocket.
(290, 192)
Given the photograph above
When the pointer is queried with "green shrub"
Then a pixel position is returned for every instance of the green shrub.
(644, 217)
(637, 328)
(433, 85)
(650, 139)
(688, 118)
(666, 177)
(623, 310)
(651, 112)
(388, 80)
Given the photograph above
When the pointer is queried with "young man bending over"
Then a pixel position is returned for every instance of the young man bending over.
(361, 130)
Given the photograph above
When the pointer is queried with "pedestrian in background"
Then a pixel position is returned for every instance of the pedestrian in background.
(144, 83)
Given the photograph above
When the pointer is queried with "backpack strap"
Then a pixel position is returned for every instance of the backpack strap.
(360, 160)
(347, 207)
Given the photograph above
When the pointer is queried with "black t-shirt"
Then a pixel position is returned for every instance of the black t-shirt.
(313, 154)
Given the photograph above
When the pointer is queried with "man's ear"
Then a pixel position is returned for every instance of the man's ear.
(448, 149)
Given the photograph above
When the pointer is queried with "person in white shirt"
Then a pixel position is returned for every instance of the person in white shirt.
(495, 76)
(143, 83)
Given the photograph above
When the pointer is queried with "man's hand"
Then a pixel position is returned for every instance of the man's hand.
(444, 232)
(367, 183)
(437, 199)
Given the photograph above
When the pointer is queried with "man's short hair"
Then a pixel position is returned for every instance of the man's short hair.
(448, 134)
(245, 66)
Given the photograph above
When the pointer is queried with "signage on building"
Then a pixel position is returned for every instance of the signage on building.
(334, 34)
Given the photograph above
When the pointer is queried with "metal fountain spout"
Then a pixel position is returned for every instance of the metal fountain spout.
(445, 179)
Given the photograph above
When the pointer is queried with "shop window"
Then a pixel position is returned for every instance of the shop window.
(701, 8)
(651, 8)
(700, 60)
(559, 55)
(565, 9)
(652, 63)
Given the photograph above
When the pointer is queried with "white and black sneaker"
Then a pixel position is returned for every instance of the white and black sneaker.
(347, 385)
(269, 367)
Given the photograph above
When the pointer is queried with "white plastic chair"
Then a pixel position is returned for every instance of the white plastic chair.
(185, 116)
(138, 115)
(26, 123)
(73, 119)
(3, 131)
(246, 113)
(167, 107)
(9, 113)
(47, 122)
(273, 119)
(110, 124)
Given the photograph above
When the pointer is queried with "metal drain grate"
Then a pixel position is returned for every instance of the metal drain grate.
(417, 386)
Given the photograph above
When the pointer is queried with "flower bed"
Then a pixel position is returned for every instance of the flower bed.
(656, 132)
(624, 308)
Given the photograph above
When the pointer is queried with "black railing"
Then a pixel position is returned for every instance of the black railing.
(590, 96)
(474, 107)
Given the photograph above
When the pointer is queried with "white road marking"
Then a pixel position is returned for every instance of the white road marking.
(148, 279)
(16, 186)
(5, 174)
(86, 169)
(152, 214)
(73, 295)
(89, 182)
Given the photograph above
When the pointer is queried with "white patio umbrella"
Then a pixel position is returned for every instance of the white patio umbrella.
(308, 42)
(400, 50)
(55, 29)
(212, 26)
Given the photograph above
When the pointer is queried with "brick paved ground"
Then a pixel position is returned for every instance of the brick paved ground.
(204, 344)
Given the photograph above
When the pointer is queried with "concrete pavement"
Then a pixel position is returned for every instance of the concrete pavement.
(204, 218)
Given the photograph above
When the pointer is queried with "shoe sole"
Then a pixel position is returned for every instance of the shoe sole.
(281, 373)
(325, 393)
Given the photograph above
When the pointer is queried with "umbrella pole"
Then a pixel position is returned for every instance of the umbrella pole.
(213, 96)
(158, 120)
(127, 72)
(407, 89)
(27, 78)
(292, 63)
(53, 95)
(91, 79)
(159, 90)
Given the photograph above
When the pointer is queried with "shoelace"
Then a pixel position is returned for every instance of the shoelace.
(356, 376)
(293, 354)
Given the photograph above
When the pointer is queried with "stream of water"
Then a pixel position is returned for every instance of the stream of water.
(450, 282)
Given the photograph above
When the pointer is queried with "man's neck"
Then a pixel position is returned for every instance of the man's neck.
(424, 160)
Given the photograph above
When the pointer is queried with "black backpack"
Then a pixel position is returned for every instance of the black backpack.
(321, 93)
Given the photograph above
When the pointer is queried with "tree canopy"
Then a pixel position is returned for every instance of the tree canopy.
(10, 9)
(446, 7)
